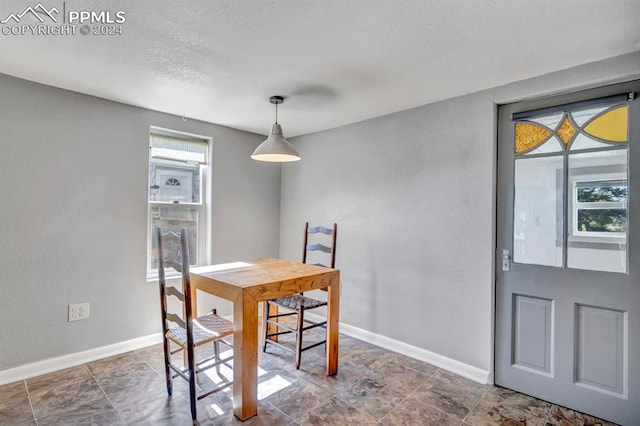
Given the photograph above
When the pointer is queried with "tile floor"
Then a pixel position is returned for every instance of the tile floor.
(373, 387)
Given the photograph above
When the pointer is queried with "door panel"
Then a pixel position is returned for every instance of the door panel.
(568, 211)
(600, 349)
(532, 326)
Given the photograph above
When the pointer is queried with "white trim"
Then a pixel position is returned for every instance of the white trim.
(71, 360)
(465, 370)
(54, 364)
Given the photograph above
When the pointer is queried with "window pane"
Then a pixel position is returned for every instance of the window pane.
(597, 232)
(611, 125)
(552, 145)
(602, 220)
(550, 121)
(172, 181)
(582, 141)
(582, 116)
(529, 136)
(538, 211)
(602, 192)
(174, 218)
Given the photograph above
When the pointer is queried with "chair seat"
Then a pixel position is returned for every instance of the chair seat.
(296, 300)
(206, 329)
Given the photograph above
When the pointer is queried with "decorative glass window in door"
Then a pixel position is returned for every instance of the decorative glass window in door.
(571, 183)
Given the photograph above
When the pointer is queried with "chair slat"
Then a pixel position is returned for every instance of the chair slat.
(172, 291)
(172, 263)
(175, 318)
(320, 229)
(318, 247)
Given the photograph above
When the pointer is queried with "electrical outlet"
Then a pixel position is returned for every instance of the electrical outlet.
(78, 311)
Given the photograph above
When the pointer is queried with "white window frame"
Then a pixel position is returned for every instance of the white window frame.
(203, 243)
(576, 234)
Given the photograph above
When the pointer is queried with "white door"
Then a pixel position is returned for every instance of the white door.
(568, 253)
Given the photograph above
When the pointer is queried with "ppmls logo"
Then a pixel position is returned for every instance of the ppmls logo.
(40, 20)
(38, 11)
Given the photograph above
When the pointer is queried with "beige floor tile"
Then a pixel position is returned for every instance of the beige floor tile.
(54, 394)
(372, 397)
(565, 417)
(14, 405)
(412, 412)
(505, 407)
(338, 413)
(397, 376)
(457, 398)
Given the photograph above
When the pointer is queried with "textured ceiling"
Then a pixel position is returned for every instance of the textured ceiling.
(336, 61)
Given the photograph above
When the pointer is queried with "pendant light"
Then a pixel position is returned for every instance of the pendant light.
(276, 148)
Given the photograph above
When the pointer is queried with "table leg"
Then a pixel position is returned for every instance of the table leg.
(194, 301)
(333, 316)
(245, 357)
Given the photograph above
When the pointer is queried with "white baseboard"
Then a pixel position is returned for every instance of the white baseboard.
(465, 370)
(54, 364)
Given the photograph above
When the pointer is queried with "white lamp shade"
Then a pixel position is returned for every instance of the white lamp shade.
(276, 148)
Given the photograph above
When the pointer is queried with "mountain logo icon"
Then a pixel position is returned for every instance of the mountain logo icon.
(38, 11)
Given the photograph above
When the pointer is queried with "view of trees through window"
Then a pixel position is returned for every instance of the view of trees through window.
(602, 219)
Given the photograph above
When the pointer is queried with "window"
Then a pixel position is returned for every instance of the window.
(600, 208)
(570, 186)
(177, 177)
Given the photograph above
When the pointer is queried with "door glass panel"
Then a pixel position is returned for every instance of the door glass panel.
(597, 219)
(582, 116)
(550, 121)
(567, 131)
(538, 211)
(611, 125)
(529, 136)
(552, 145)
(584, 142)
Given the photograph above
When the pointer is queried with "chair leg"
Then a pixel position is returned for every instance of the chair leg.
(216, 350)
(299, 336)
(167, 370)
(192, 383)
(265, 324)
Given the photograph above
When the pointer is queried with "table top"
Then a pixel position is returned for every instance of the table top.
(259, 272)
(266, 278)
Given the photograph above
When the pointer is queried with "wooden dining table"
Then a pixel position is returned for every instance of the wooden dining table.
(248, 283)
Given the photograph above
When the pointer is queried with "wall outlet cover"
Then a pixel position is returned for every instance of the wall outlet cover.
(78, 311)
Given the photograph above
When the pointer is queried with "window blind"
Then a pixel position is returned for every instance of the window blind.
(179, 149)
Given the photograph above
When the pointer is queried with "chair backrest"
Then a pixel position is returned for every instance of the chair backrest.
(173, 252)
(330, 249)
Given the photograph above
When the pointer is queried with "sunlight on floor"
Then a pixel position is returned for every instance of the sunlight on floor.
(217, 409)
(265, 388)
(271, 386)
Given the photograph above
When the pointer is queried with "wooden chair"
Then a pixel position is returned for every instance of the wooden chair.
(297, 304)
(185, 332)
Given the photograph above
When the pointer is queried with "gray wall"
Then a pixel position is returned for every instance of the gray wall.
(73, 216)
(413, 195)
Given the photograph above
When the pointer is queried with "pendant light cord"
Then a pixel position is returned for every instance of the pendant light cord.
(276, 113)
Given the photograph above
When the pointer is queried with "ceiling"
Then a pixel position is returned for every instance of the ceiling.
(335, 61)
